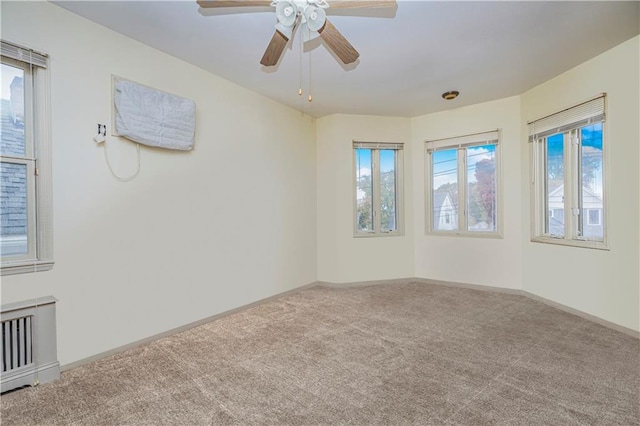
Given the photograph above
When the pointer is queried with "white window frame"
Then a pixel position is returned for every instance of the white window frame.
(375, 172)
(37, 157)
(567, 122)
(460, 143)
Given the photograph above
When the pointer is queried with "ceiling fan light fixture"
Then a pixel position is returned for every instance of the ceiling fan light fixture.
(287, 13)
(450, 95)
(315, 17)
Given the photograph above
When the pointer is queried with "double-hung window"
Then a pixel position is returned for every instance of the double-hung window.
(378, 189)
(25, 162)
(463, 175)
(567, 165)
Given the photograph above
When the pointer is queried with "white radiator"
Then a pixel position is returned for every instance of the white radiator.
(28, 345)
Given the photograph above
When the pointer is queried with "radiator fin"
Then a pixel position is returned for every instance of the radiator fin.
(17, 339)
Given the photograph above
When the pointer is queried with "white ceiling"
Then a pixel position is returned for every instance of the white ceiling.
(408, 58)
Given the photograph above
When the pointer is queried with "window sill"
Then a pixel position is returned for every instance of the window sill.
(26, 267)
(490, 235)
(596, 245)
(379, 235)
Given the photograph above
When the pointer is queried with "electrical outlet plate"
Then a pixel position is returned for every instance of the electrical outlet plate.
(102, 133)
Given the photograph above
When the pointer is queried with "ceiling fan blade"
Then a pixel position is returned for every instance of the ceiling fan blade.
(336, 41)
(233, 3)
(357, 4)
(274, 49)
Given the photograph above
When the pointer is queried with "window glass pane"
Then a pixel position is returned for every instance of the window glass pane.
(12, 111)
(555, 184)
(591, 187)
(481, 188)
(388, 196)
(364, 196)
(445, 190)
(13, 197)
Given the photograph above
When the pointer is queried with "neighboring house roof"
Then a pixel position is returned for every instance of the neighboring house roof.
(555, 187)
(439, 199)
(11, 132)
(442, 202)
(590, 199)
(13, 187)
(559, 189)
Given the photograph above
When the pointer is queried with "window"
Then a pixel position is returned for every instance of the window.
(593, 217)
(378, 188)
(25, 162)
(462, 185)
(567, 154)
(558, 214)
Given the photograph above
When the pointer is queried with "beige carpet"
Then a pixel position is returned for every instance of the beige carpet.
(394, 354)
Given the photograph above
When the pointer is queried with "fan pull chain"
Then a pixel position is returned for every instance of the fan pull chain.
(310, 98)
(300, 73)
(300, 65)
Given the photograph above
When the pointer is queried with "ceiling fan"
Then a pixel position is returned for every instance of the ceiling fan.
(310, 16)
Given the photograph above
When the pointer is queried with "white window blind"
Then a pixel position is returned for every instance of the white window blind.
(377, 145)
(484, 138)
(23, 54)
(586, 113)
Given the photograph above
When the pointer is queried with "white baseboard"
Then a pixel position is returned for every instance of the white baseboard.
(470, 286)
(520, 292)
(480, 287)
(364, 283)
(185, 327)
(581, 314)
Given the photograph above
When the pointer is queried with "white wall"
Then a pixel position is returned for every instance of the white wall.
(196, 233)
(341, 257)
(265, 204)
(472, 260)
(602, 283)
